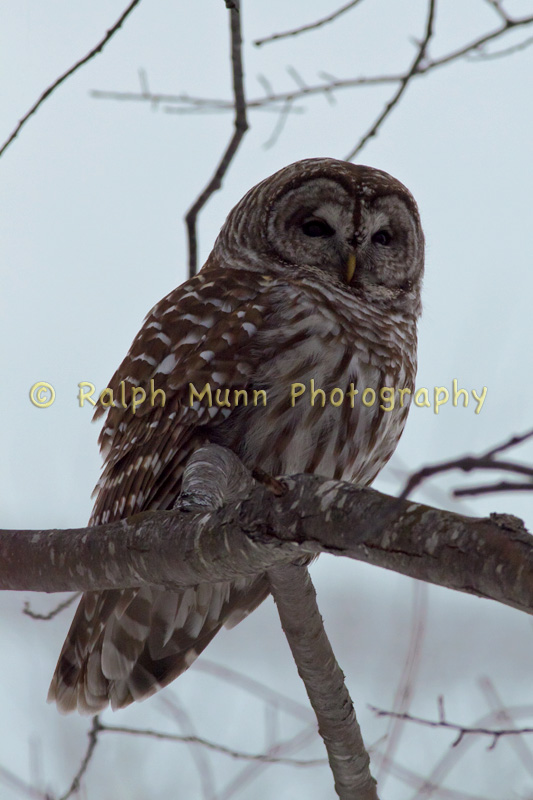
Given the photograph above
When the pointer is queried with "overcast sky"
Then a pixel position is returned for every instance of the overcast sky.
(93, 194)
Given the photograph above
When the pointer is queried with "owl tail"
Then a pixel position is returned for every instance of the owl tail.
(126, 645)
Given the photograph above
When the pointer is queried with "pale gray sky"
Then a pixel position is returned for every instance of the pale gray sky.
(92, 196)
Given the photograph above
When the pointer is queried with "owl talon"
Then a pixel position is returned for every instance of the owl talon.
(277, 487)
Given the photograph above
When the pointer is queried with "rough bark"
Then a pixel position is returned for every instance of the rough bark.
(302, 624)
(489, 557)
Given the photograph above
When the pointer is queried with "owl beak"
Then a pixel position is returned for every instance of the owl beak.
(350, 267)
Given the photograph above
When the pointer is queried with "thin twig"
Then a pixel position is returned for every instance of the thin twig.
(93, 740)
(310, 27)
(259, 690)
(475, 45)
(507, 51)
(51, 614)
(275, 102)
(503, 486)
(182, 718)
(98, 49)
(461, 730)
(496, 5)
(373, 130)
(219, 748)
(514, 441)
(241, 126)
(471, 463)
(496, 704)
(404, 692)
(250, 772)
(22, 789)
(280, 124)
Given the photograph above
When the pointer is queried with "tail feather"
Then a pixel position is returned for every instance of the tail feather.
(126, 645)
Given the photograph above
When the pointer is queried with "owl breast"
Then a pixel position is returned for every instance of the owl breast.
(315, 420)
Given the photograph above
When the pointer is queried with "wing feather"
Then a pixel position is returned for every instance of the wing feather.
(125, 645)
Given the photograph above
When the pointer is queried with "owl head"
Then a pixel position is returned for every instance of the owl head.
(321, 218)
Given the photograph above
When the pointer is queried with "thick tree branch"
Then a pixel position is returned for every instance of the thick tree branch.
(295, 598)
(489, 557)
(241, 126)
(98, 49)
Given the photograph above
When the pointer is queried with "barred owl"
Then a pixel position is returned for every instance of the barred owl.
(315, 275)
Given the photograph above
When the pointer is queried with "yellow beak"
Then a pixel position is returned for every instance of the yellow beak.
(350, 267)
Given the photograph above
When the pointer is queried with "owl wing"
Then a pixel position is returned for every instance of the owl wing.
(124, 645)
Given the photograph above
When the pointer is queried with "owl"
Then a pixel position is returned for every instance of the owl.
(315, 276)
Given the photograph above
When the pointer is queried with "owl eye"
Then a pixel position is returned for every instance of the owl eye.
(317, 227)
(382, 237)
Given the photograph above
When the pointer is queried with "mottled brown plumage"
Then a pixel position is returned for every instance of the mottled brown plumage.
(316, 274)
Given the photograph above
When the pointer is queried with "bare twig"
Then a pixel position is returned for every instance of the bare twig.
(93, 740)
(20, 787)
(276, 101)
(507, 51)
(241, 126)
(98, 49)
(494, 488)
(404, 692)
(409, 75)
(451, 757)
(247, 684)
(252, 770)
(514, 441)
(51, 614)
(510, 24)
(497, 6)
(495, 703)
(461, 730)
(310, 27)
(175, 710)
(219, 748)
(280, 124)
(216, 104)
(487, 461)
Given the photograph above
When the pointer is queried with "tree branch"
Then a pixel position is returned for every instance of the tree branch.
(214, 476)
(225, 526)
(51, 614)
(460, 730)
(241, 126)
(278, 101)
(98, 49)
(305, 28)
(409, 75)
(264, 758)
(489, 557)
(295, 598)
(93, 741)
(486, 461)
